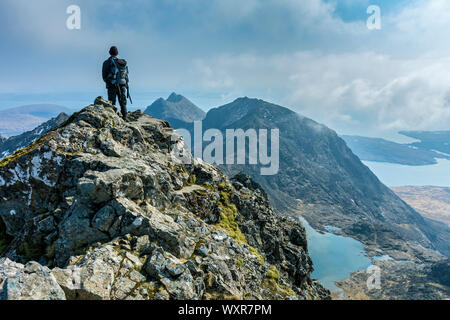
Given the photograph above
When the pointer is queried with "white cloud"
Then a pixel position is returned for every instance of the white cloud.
(298, 53)
(362, 91)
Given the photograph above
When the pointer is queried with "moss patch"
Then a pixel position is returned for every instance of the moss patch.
(21, 152)
(224, 187)
(276, 288)
(257, 254)
(192, 179)
(273, 273)
(228, 220)
(220, 296)
(209, 186)
(273, 285)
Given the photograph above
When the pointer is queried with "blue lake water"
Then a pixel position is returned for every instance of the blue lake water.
(334, 256)
(396, 175)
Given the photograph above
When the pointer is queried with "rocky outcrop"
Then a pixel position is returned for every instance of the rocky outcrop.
(29, 282)
(108, 211)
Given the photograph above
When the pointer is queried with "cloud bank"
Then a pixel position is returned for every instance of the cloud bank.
(314, 56)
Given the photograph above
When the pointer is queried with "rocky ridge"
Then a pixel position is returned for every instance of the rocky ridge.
(102, 208)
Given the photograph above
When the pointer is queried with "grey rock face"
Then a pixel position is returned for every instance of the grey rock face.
(109, 212)
(29, 282)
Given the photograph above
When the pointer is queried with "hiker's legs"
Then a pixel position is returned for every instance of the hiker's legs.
(121, 94)
(123, 100)
(112, 93)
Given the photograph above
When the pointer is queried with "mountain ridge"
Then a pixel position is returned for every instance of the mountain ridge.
(102, 208)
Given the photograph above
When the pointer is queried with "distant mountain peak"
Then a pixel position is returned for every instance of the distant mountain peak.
(246, 98)
(242, 107)
(174, 97)
(175, 108)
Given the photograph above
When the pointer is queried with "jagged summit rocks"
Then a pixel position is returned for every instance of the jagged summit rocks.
(100, 208)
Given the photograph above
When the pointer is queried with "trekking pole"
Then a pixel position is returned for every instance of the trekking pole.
(129, 95)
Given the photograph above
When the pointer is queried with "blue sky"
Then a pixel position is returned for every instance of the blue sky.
(314, 56)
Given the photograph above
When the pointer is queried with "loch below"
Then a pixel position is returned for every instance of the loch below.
(334, 256)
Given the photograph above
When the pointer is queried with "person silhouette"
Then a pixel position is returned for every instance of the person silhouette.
(115, 75)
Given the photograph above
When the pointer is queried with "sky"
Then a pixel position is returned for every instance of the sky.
(316, 57)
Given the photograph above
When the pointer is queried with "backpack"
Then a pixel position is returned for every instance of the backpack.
(119, 72)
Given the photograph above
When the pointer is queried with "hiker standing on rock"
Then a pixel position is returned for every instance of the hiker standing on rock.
(115, 75)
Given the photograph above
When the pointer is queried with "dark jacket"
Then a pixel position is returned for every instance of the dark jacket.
(107, 70)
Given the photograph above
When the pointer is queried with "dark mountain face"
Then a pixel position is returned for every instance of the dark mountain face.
(320, 178)
(175, 109)
(9, 146)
